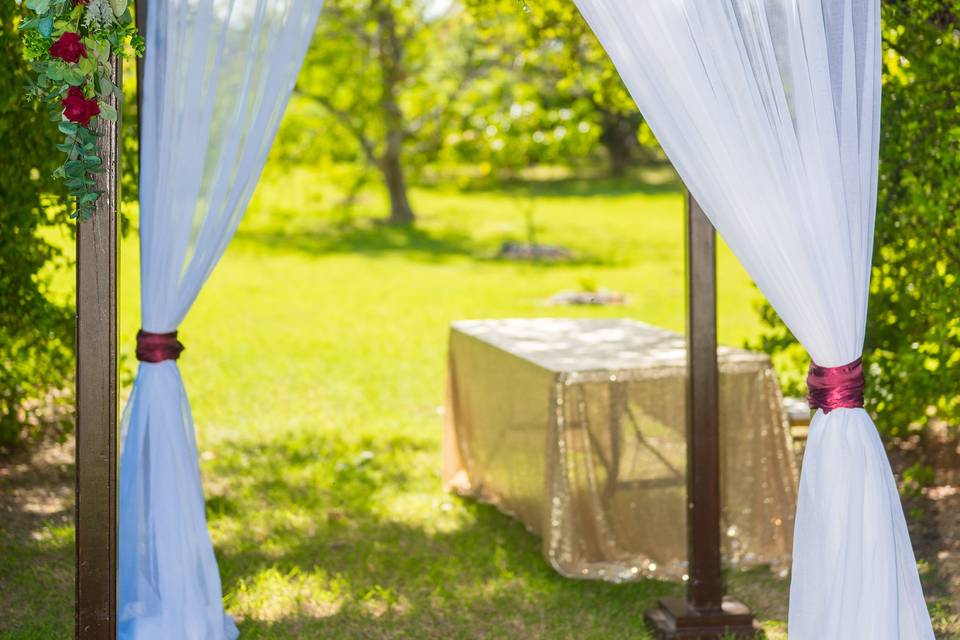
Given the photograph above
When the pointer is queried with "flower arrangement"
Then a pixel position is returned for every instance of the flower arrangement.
(70, 44)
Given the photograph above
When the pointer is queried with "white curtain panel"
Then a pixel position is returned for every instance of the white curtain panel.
(770, 111)
(218, 75)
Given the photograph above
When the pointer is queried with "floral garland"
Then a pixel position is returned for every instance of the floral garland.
(69, 44)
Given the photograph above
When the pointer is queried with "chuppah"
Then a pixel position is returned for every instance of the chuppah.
(768, 110)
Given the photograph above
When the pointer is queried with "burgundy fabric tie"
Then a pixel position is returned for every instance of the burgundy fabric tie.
(832, 388)
(158, 347)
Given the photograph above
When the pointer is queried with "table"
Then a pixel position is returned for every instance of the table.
(576, 428)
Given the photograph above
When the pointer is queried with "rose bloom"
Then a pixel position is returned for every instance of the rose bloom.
(79, 109)
(68, 48)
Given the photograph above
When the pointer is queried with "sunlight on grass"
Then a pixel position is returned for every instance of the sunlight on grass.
(315, 365)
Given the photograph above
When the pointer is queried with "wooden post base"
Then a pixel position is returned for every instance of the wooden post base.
(674, 618)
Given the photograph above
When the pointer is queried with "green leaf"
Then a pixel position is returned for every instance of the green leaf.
(55, 70)
(107, 112)
(69, 128)
(89, 198)
(119, 7)
(104, 87)
(86, 65)
(66, 147)
(91, 161)
(74, 77)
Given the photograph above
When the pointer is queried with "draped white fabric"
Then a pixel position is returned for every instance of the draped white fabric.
(770, 111)
(218, 76)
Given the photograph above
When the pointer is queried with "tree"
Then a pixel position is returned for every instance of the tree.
(388, 73)
(35, 332)
(914, 331)
(563, 57)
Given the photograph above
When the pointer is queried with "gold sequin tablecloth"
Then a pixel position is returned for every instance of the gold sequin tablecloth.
(576, 428)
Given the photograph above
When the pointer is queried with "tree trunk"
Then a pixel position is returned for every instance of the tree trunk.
(401, 213)
(391, 73)
(618, 137)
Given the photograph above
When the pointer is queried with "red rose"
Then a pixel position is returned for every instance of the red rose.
(78, 108)
(76, 2)
(68, 48)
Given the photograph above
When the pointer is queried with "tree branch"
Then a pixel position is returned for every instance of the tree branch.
(367, 145)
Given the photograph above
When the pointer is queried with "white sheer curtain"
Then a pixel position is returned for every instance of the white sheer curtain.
(218, 75)
(769, 110)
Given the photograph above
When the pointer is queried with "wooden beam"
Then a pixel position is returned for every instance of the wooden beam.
(97, 399)
(705, 613)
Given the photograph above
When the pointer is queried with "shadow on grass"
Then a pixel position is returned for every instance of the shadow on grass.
(416, 243)
(577, 187)
(356, 540)
(370, 239)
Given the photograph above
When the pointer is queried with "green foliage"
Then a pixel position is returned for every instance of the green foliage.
(913, 332)
(99, 30)
(35, 333)
(490, 84)
(558, 99)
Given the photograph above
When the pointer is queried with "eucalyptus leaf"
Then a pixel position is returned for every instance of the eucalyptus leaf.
(119, 7)
(73, 169)
(69, 128)
(45, 26)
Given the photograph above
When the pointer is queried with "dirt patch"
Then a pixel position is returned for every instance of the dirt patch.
(927, 467)
(36, 545)
(37, 487)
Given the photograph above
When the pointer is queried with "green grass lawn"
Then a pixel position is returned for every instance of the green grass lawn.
(315, 364)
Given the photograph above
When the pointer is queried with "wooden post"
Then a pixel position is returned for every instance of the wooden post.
(140, 14)
(705, 613)
(97, 400)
